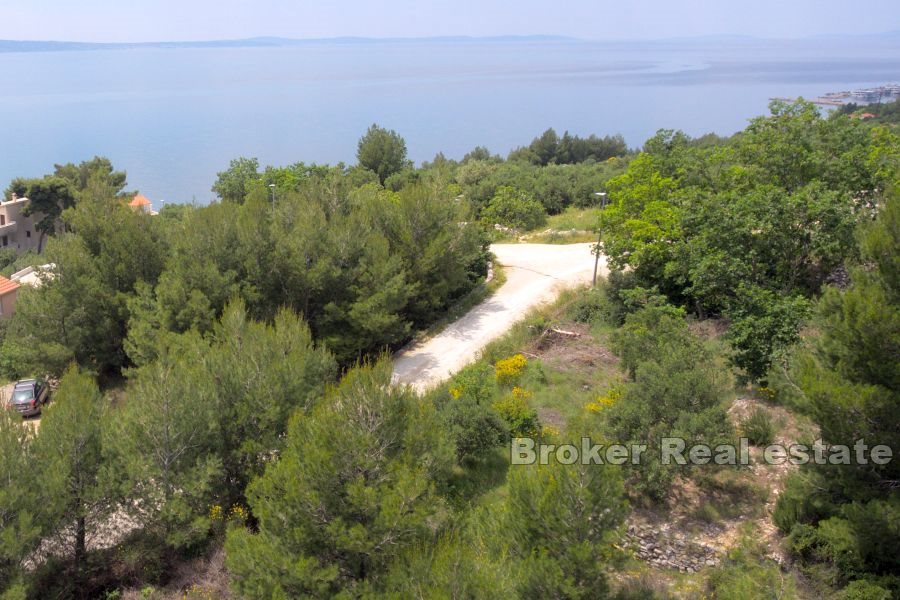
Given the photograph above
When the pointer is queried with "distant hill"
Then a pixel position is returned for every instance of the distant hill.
(61, 46)
(890, 37)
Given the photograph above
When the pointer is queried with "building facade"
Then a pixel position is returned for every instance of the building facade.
(17, 230)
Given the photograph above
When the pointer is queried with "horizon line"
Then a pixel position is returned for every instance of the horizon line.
(264, 40)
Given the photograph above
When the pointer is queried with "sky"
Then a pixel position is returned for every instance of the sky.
(185, 20)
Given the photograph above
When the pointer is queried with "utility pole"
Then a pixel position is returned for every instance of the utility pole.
(272, 187)
(602, 196)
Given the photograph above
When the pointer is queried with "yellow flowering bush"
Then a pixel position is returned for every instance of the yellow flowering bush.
(767, 393)
(215, 512)
(514, 409)
(509, 370)
(603, 402)
(195, 592)
(549, 431)
(522, 393)
(238, 514)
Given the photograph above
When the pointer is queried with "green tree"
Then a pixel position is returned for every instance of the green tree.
(764, 325)
(459, 565)
(561, 521)
(382, 151)
(642, 225)
(69, 456)
(71, 317)
(356, 481)
(20, 530)
(48, 198)
(161, 446)
(98, 170)
(235, 183)
(849, 383)
(51, 195)
(80, 311)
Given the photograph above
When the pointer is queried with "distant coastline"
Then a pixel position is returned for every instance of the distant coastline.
(7, 46)
(264, 42)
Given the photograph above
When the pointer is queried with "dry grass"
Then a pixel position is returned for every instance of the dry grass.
(203, 578)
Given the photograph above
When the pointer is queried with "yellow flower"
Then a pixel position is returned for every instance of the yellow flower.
(522, 393)
(455, 392)
(508, 370)
(215, 512)
(767, 393)
(603, 402)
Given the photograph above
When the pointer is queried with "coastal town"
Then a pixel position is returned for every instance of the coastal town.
(872, 95)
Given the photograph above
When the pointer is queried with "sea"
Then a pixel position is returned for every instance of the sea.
(172, 117)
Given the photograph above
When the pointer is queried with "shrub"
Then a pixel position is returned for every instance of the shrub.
(651, 334)
(475, 382)
(801, 501)
(509, 370)
(595, 306)
(763, 326)
(834, 543)
(601, 403)
(474, 428)
(677, 395)
(758, 427)
(864, 590)
(514, 208)
(521, 418)
(748, 574)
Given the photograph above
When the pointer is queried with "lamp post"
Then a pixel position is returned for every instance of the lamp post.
(272, 187)
(602, 196)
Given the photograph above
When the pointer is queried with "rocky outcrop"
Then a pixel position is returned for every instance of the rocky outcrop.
(670, 550)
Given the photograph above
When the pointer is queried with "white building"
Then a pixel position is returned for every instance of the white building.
(17, 230)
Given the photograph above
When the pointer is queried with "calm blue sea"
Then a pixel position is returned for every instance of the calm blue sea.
(174, 117)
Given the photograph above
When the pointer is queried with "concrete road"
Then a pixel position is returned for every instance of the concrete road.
(535, 274)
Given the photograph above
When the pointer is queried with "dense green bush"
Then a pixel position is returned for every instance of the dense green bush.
(513, 208)
(864, 590)
(677, 391)
(475, 428)
(595, 306)
(802, 501)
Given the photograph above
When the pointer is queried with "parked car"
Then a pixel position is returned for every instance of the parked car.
(28, 396)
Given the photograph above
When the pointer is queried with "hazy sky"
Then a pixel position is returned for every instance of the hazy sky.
(166, 20)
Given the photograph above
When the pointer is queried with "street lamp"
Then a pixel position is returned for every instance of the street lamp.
(602, 196)
(272, 187)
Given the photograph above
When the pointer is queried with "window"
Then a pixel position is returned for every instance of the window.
(5, 240)
(28, 234)
(2, 219)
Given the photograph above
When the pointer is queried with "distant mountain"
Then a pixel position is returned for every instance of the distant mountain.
(702, 41)
(57, 46)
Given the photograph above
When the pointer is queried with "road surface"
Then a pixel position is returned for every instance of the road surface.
(535, 274)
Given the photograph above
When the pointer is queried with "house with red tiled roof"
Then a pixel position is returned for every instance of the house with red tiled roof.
(141, 203)
(8, 292)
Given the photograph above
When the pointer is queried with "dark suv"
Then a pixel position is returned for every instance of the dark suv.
(28, 396)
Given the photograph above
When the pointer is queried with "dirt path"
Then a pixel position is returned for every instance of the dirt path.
(535, 273)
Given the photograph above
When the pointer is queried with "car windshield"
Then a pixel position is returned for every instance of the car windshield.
(25, 394)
